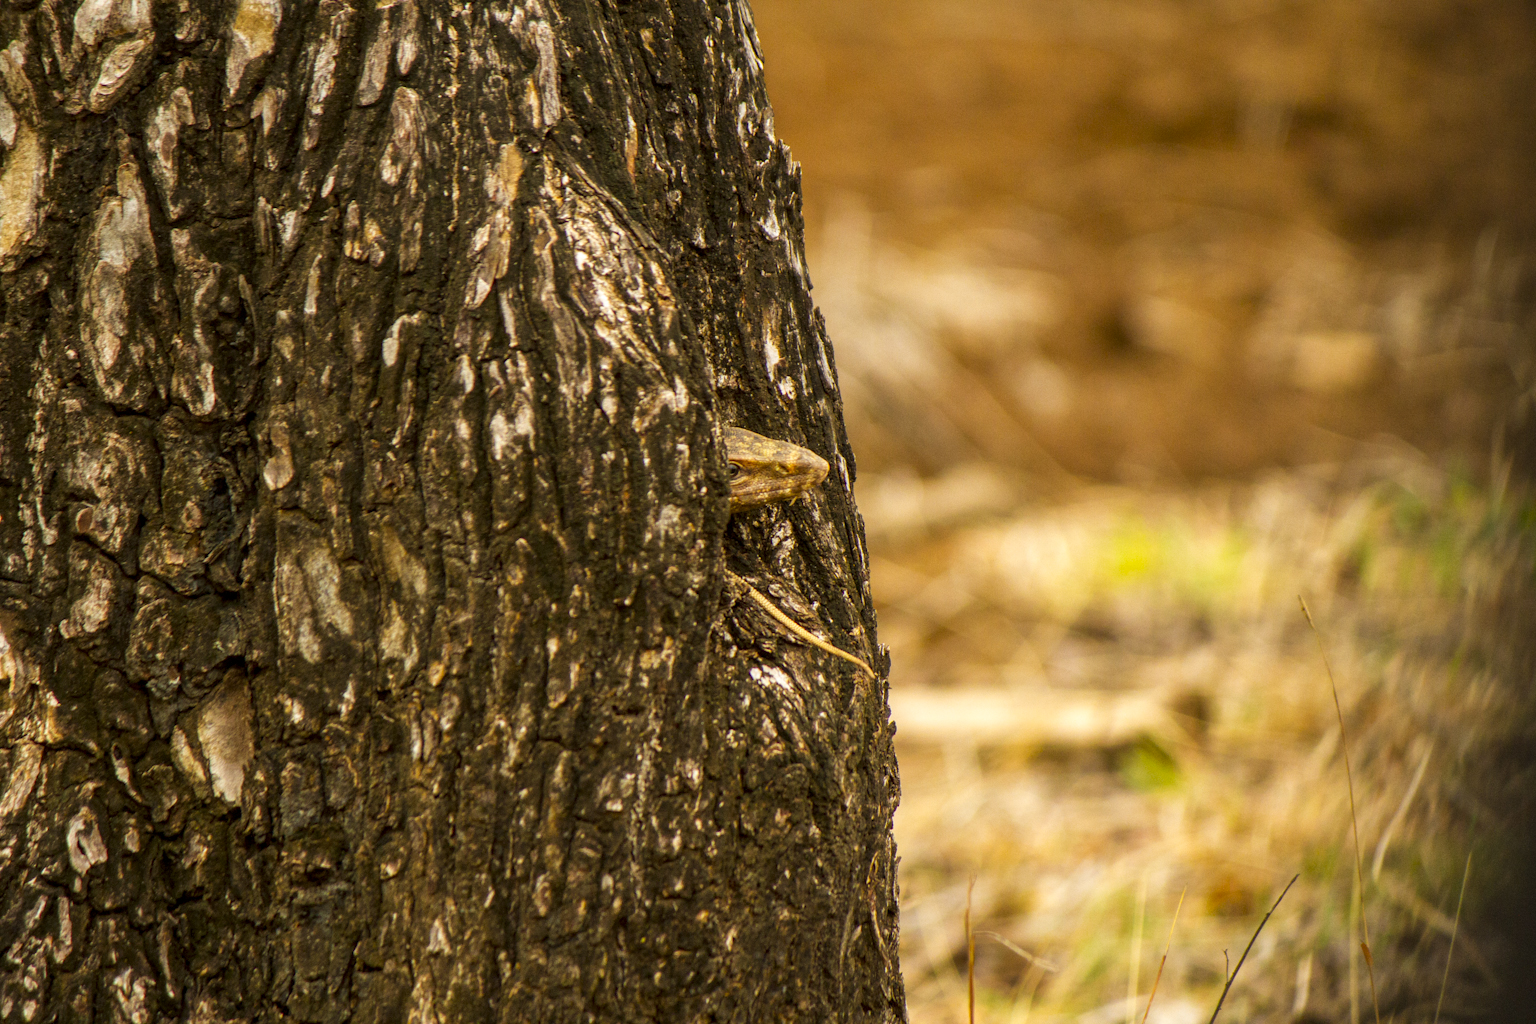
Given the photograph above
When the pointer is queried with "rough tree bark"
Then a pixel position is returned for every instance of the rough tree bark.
(368, 643)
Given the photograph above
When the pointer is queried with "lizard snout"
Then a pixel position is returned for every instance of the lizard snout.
(764, 471)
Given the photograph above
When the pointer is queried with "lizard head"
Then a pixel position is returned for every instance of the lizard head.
(764, 470)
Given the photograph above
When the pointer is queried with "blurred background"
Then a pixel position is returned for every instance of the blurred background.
(1152, 317)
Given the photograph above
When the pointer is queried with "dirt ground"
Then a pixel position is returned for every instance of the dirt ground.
(1151, 318)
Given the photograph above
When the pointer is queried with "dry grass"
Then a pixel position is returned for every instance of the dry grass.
(1079, 847)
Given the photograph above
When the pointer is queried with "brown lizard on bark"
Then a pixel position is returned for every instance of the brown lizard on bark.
(764, 471)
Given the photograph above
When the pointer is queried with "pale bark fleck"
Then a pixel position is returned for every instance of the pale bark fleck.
(186, 759)
(7, 121)
(99, 20)
(120, 71)
(161, 134)
(547, 74)
(409, 38)
(98, 586)
(22, 181)
(279, 470)
(119, 344)
(130, 997)
(225, 733)
(370, 84)
(407, 148)
(26, 762)
(324, 78)
(83, 842)
(251, 35)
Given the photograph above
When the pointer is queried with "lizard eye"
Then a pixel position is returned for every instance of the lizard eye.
(735, 470)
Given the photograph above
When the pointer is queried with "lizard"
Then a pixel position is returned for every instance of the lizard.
(764, 471)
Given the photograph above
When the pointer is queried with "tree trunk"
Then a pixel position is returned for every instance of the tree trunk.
(370, 640)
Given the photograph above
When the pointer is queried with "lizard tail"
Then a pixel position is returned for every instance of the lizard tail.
(803, 633)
